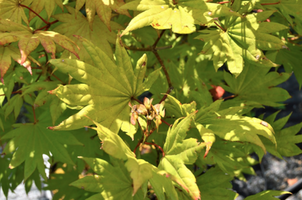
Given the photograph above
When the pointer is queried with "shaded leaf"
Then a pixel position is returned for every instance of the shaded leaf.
(256, 84)
(30, 141)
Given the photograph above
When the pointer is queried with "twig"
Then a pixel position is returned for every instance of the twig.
(220, 26)
(159, 147)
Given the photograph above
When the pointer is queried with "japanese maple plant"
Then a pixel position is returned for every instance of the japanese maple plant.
(144, 99)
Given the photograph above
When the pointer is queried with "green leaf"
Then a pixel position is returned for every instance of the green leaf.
(240, 128)
(238, 39)
(180, 16)
(266, 195)
(175, 108)
(177, 133)
(179, 152)
(140, 172)
(107, 88)
(110, 182)
(286, 139)
(163, 186)
(215, 184)
(30, 141)
(256, 84)
(290, 59)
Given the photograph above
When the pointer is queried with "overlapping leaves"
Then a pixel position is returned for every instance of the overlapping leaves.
(29, 40)
(239, 39)
(106, 90)
(77, 24)
(181, 15)
(30, 141)
(103, 8)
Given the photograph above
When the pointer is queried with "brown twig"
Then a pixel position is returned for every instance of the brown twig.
(15, 92)
(159, 147)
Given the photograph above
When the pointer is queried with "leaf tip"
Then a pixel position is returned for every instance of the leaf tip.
(51, 127)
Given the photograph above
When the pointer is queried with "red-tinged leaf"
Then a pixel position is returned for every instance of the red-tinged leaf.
(29, 40)
(207, 136)
(8, 52)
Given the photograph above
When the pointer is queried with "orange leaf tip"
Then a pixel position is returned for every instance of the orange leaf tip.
(51, 127)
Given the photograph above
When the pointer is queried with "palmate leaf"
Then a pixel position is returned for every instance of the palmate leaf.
(30, 141)
(11, 10)
(290, 59)
(77, 24)
(179, 152)
(239, 39)
(106, 90)
(110, 182)
(29, 39)
(180, 15)
(256, 84)
(103, 8)
(215, 185)
(287, 8)
(286, 138)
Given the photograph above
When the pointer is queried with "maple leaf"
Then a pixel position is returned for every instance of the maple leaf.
(288, 8)
(79, 25)
(286, 138)
(215, 185)
(181, 15)
(30, 141)
(8, 52)
(179, 152)
(103, 8)
(48, 5)
(108, 87)
(290, 59)
(29, 40)
(110, 182)
(257, 85)
(10, 9)
(239, 39)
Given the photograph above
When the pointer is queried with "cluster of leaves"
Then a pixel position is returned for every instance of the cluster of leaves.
(74, 81)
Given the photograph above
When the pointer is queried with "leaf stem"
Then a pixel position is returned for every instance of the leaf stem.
(34, 112)
(15, 92)
(166, 122)
(159, 147)
(220, 26)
